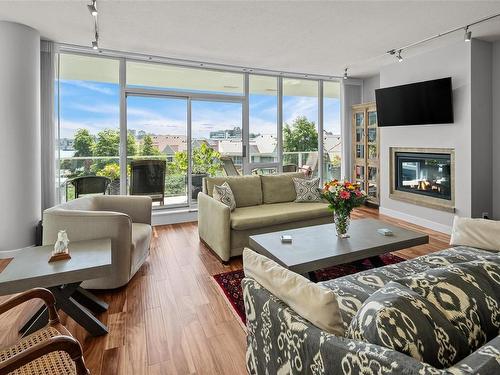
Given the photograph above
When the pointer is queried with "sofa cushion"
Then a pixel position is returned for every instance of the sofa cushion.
(279, 188)
(479, 233)
(247, 190)
(400, 319)
(467, 294)
(277, 213)
(310, 300)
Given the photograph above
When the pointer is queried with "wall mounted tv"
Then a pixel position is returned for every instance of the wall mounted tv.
(421, 103)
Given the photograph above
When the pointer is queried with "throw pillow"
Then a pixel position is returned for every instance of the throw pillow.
(307, 190)
(224, 194)
(480, 233)
(467, 294)
(312, 301)
(398, 318)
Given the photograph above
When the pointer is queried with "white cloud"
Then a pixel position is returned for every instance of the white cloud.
(91, 86)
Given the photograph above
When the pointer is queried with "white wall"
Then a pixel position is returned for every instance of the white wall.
(454, 61)
(481, 128)
(20, 193)
(369, 86)
(496, 129)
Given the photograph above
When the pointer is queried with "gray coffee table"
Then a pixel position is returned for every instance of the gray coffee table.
(318, 247)
(29, 268)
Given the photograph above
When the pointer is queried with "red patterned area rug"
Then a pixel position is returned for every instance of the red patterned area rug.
(230, 282)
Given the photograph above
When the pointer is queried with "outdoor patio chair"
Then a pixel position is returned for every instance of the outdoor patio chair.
(228, 165)
(88, 185)
(147, 177)
(289, 168)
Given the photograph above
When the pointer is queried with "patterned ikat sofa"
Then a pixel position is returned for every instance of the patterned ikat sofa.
(282, 342)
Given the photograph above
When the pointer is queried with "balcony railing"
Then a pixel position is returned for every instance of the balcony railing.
(176, 184)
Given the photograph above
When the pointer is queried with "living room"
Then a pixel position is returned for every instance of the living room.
(232, 187)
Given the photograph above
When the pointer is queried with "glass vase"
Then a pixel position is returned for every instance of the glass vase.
(342, 219)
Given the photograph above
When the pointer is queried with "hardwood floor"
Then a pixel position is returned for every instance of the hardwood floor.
(171, 318)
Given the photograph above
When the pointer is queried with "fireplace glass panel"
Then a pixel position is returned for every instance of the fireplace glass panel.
(425, 174)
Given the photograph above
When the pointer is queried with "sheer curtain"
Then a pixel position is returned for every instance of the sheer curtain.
(48, 124)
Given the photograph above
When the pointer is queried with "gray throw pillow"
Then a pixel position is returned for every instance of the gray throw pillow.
(398, 318)
(224, 194)
(307, 190)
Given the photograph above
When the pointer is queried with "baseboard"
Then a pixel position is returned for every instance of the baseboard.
(164, 217)
(416, 220)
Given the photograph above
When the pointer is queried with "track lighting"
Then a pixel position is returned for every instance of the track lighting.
(345, 73)
(95, 45)
(400, 58)
(468, 34)
(93, 8)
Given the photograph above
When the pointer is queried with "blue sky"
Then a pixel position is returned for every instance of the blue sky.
(95, 106)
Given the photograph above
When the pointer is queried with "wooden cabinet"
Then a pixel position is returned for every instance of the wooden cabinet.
(365, 150)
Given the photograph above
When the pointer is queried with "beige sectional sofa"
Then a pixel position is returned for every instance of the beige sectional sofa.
(263, 204)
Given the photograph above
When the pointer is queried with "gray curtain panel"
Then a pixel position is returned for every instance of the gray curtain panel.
(48, 123)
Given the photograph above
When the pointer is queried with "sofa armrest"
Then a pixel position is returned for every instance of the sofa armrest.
(281, 341)
(214, 225)
(137, 207)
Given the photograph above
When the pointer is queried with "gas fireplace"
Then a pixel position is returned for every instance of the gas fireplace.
(423, 176)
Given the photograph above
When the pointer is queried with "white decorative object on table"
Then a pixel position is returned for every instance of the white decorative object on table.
(61, 251)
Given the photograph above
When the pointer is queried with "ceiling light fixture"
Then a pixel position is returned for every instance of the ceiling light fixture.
(345, 73)
(397, 51)
(93, 8)
(468, 34)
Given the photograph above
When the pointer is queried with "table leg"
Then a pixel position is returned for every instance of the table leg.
(376, 261)
(78, 312)
(311, 276)
(36, 322)
(89, 300)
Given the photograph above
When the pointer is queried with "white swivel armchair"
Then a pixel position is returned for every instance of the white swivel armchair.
(124, 219)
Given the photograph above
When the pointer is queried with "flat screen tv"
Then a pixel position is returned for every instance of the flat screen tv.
(421, 103)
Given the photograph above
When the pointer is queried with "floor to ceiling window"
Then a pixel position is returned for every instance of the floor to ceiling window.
(263, 124)
(181, 124)
(89, 121)
(300, 124)
(332, 140)
(216, 139)
(157, 148)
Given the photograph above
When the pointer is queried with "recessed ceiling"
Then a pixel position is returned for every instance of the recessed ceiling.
(316, 37)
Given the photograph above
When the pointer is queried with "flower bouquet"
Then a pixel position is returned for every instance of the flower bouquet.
(343, 197)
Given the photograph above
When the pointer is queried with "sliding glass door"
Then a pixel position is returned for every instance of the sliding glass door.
(216, 141)
(263, 124)
(157, 149)
(300, 124)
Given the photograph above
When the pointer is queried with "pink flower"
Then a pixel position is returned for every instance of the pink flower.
(359, 193)
(345, 194)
